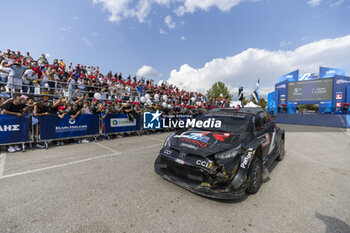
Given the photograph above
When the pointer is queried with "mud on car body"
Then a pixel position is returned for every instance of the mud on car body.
(224, 162)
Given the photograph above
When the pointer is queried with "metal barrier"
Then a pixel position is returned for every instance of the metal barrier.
(52, 127)
(15, 130)
(20, 130)
(120, 123)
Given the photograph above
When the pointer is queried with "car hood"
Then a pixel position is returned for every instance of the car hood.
(205, 143)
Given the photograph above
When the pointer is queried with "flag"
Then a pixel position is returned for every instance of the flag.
(240, 93)
(255, 93)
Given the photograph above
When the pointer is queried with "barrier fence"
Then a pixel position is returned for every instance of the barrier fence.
(29, 129)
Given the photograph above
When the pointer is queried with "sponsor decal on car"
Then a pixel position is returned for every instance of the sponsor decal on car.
(199, 137)
(267, 140)
(204, 163)
(221, 136)
(189, 146)
(167, 152)
(195, 142)
(180, 161)
(246, 159)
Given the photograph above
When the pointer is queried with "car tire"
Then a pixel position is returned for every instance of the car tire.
(255, 175)
(280, 150)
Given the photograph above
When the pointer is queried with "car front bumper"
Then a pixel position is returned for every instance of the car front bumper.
(224, 193)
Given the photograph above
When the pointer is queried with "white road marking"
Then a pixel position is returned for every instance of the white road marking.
(74, 162)
(106, 147)
(348, 132)
(2, 163)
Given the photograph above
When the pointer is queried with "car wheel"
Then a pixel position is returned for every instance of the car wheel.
(281, 152)
(255, 176)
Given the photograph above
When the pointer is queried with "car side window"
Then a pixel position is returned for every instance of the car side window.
(261, 121)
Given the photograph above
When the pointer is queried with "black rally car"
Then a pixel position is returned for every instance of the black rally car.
(223, 162)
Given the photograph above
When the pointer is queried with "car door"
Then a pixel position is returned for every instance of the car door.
(264, 130)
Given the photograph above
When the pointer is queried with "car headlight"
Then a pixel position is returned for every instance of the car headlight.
(229, 153)
(167, 141)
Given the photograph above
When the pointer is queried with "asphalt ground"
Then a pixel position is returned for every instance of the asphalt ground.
(110, 186)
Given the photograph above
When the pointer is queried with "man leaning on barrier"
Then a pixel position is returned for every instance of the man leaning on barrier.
(14, 107)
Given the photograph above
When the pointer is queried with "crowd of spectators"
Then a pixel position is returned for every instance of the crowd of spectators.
(38, 87)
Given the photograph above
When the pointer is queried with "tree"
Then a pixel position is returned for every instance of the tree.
(245, 101)
(262, 103)
(217, 89)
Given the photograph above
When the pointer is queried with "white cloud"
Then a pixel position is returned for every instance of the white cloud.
(169, 22)
(121, 9)
(183, 38)
(148, 71)
(161, 31)
(95, 34)
(180, 11)
(76, 17)
(66, 29)
(246, 67)
(87, 41)
(194, 5)
(336, 3)
(314, 3)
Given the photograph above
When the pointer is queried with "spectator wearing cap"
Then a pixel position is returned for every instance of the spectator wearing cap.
(61, 113)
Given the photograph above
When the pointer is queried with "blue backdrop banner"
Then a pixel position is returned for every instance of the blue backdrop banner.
(53, 127)
(116, 123)
(326, 72)
(14, 129)
(292, 76)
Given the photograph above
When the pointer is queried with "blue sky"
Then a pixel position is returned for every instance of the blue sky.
(209, 35)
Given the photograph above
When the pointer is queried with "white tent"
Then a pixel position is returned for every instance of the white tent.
(234, 104)
(251, 105)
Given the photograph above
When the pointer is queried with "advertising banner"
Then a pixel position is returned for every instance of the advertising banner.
(290, 77)
(325, 106)
(292, 107)
(272, 102)
(308, 76)
(341, 83)
(117, 123)
(53, 127)
(14, 129)
(326, 72)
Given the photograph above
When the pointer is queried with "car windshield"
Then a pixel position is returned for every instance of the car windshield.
(231, 123)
